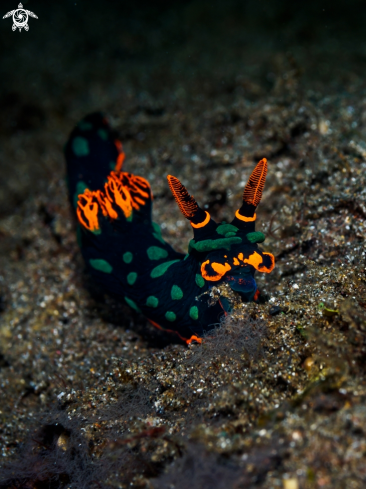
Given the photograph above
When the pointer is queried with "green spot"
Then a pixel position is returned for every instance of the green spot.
(187, 256)
(161, 269)
(102, 133)
(159, 238)
(256, 237)
(193, 312)
(156, 228)
(80, 187)
(112, 165)
(127, 257)
(85, 126)
(96, 231)
(80, 146)
(214, 244)
(226, 228)
(176, 293)
(157, 232)
(170, 315)
(131, 278)
(101, 265)
(132, 304)
(152, 301)
(156, 253)
(228, 235)
(200, 280)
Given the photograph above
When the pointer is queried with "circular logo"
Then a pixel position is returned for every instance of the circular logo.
(20, 18)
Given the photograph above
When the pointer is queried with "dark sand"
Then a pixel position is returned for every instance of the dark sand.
(91, 394)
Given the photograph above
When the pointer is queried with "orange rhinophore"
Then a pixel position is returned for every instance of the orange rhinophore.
(219, 268)
(87, 210)
(245, 218)
(186, 202)
(254, 188)
(203, 223)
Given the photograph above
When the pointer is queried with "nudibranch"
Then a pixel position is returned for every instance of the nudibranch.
(125, 252)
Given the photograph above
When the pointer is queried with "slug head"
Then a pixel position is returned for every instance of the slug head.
(228, 252)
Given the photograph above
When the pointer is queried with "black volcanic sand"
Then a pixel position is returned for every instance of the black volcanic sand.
(91, 394)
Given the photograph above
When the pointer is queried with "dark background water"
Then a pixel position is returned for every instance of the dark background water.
(80, 56)
(162, 42)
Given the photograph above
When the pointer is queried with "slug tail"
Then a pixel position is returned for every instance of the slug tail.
(92, 151)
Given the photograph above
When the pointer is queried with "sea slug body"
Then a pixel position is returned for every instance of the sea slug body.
(126, 254)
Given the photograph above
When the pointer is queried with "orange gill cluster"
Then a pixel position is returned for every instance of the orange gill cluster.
(122, 192)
